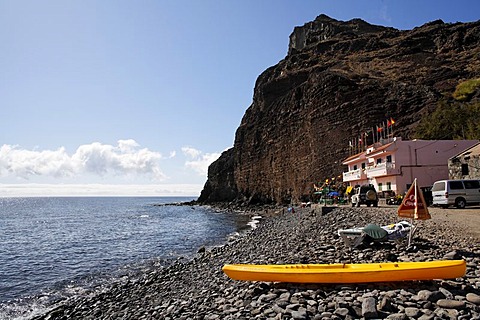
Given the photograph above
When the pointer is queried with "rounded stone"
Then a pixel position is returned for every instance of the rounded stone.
(412, 312)
(397, 316)
(342, 312)
(473, 298)
(451, 304)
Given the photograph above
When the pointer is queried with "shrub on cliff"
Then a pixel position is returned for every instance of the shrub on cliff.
(466, 89)
(451, 121)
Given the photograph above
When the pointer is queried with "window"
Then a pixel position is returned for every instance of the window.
(472, 184)
(389, 186)
(363, 165)
(456, 185)
(355, 167)
(439, 186)
(379, 160)
(389, 159)
(380, 186)
(464, 169)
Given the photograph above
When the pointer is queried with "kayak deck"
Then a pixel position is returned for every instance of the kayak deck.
(347, 273)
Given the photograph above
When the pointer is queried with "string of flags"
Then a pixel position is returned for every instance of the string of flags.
(381, 131)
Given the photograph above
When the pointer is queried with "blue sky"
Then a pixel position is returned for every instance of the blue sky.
(138, 97)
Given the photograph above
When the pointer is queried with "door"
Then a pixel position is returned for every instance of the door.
(456, 191)
(472, 191)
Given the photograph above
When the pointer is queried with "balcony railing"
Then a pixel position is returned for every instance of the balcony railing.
(382, 169)
(353, 175)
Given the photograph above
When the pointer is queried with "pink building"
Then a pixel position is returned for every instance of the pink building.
(393, 164)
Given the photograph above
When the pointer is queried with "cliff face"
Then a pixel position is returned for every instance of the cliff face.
(220, 185)
(339, 79)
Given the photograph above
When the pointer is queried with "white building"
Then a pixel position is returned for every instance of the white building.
(393, 164)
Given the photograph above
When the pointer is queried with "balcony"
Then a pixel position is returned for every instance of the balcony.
(354, 175)
(382, 169)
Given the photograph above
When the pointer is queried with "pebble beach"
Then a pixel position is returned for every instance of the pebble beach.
(198, 289)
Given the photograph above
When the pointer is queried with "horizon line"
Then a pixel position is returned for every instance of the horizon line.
(11, 190)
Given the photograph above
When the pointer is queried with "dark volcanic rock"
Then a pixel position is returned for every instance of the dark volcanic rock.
(220, 185)
(339, 80)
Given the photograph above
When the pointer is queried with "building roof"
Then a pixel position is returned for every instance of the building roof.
(472, 151)
(355, 157)
(379, 149)
(364, 154)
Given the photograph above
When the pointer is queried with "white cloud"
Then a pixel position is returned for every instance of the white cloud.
(25, 163)
(98, 159)
(199, 162)
(127, 145)
(191, 152)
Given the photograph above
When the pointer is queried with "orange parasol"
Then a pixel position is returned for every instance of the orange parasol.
(414, 207)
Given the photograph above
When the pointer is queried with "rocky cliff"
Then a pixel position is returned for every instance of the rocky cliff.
(339, 79)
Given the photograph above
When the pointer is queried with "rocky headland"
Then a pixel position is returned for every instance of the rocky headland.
(198, 289)
(339, 80)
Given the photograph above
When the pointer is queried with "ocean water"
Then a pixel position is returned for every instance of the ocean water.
(52, 248)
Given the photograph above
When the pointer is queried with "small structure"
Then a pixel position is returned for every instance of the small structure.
(414, 207)
(392, 164)
(466, 164)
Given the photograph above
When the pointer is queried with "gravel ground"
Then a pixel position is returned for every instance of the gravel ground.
(198, 289)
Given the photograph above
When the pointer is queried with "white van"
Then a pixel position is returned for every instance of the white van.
(456, 192)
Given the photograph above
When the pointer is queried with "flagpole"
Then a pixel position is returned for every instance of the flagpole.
(393, 134)
(415, 211)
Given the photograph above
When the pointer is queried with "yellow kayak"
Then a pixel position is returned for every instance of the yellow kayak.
(348, 273)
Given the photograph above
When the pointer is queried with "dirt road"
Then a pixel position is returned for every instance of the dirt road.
(467, 219)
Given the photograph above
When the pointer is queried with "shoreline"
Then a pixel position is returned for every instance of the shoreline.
(198, 289)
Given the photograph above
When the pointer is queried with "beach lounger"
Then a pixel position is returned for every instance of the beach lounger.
(355, 236)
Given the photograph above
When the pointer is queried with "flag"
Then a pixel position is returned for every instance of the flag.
(390, 123)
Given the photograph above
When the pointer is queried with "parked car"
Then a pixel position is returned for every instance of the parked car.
(427, 195)
(364, 195)
(395, 200)
(456, 192)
